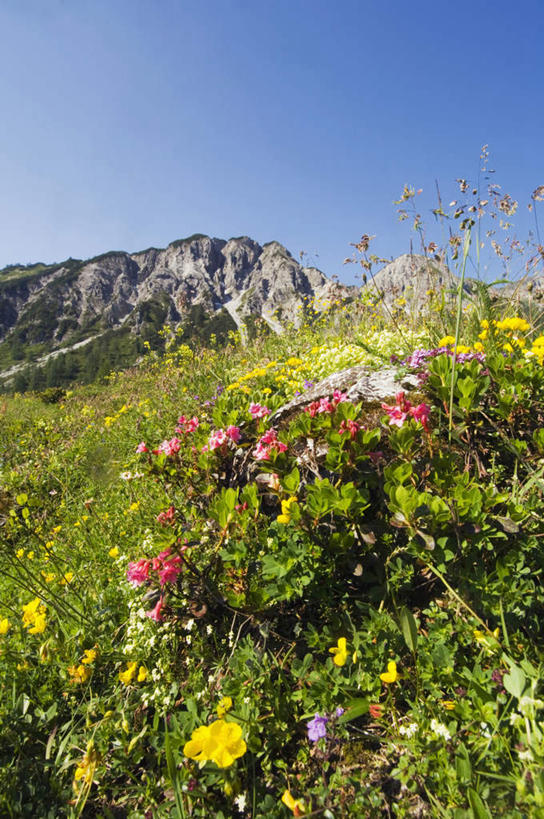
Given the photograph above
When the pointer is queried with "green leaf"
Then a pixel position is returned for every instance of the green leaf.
(478, 808)
(409, 625)
(515, 681)
(355, 708)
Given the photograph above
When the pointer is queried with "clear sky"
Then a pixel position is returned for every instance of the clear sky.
(130, 123)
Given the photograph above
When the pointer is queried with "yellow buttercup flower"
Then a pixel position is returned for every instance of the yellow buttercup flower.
(4, 626)
(114, 552)
(340, 652)
(446, 341)
(285, 516)
(142, 674)
(224, 706)
(221, 742)
(391, 675)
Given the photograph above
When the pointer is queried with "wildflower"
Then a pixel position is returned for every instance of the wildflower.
(449, 705)
(86, 767)
(339, 711)
(391, 675)
(142, 674)
(440, 730)
(113, 552)
(408, 730)
(79, 673)
(349, 426)
(34, 616)
(129, 673)
(258, 411)
(296, 805)
(138, 573)
(317, 728)
(142, 447)
(375, 710)
(89, 656)
(155, 613)
(170, 447)
(233, 433)
(166, 517)
(221, 742)
(224, 706)
(240, 802)
(4, 626)
(267, 444)
(285, 516)
(340, 652)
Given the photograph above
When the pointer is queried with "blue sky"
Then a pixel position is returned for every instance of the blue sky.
(130, 123)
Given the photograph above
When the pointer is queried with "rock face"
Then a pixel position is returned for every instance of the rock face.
(412, 278)
(60, 302)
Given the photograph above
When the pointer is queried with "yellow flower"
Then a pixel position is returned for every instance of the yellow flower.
(114, 552)
(221, 742)
(79, 673)
(449, 705)
(340, 652)
(285, 516)
(224, 706)
(391, 675)
(128, 675)
(20, 553)
(86, 766)
(68, 577)
(4, 626)
(142, 674)
(479, 347)
(90, 656)
(296, 805)
(446, 341)
(34, 616)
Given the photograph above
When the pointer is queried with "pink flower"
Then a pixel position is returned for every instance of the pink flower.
(421, 413)
(155, 614)
(268, 444)
(170, 571)
(349, 426)
(217, 439)
(258, 411)
(170, 447)
(338, 397)
(187, 425)
(166, 518)
(398, 412)
(142, 447)
(138, 573)
(233, 433)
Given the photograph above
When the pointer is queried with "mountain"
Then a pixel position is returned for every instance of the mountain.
(100, 311)
(410, 278)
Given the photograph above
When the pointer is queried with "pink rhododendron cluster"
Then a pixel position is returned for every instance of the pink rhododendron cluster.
(169, 448)
(167, 516)
(399, 412)
(219, 438)
(267, 444)
(258, 411)
(326, 404)
(187, 425)
(349, 426)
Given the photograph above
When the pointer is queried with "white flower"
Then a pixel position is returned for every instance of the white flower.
(408, 730)
(485, 730)
(240, 802)
(188, 625)
(440, 730)
(209, 628)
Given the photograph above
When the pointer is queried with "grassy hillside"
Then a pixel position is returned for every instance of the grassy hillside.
(204, 615)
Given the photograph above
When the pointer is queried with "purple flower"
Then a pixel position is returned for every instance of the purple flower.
(339, 711)
(316, 728)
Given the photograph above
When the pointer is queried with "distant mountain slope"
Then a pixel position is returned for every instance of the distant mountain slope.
(48, 308)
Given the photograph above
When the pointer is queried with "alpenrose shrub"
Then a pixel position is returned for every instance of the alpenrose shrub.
(340, 615)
